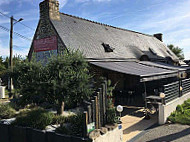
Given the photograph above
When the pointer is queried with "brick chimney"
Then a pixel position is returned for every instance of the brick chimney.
(49, 9)
(159, 36)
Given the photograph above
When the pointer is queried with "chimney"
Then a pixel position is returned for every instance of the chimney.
(49, 9)
(158, 36)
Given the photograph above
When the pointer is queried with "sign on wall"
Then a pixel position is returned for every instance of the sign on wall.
(45, 48)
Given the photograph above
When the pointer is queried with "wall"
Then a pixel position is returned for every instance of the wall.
(111, 136)
(10, 133)
(166, 110)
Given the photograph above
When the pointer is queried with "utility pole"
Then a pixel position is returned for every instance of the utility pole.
(11, 54)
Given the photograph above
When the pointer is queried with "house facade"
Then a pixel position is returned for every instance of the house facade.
(126, 57)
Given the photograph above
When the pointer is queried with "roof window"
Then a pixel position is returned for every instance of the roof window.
(152, 51)
(107, 47)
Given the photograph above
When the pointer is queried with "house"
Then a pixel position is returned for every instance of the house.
(130, 59)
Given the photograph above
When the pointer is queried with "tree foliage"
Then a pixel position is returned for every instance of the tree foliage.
(176, 50)
(63, 79)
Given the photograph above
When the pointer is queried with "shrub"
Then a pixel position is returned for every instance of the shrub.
(182, 114)
(6, 111)
(37, 118)
(111, 115)
(58, 119)
(74, 125)
(179, 108)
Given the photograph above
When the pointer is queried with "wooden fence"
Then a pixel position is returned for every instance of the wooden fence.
(185, 86)
(172, 91)
(95, 110)
(176, 89)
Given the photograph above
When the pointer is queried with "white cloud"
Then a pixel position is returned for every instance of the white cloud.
(62, 3)
(82, 1)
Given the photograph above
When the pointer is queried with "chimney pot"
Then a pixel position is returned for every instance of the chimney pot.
(159, 36)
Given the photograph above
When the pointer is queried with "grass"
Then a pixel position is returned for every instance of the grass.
(181, 114)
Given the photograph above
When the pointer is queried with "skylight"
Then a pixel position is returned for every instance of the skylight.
(107, 47)
(152, 51)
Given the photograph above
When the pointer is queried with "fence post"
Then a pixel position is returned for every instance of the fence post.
(101, 107)
(89, 114)
(104, 103)
(96, 111)
(93, 111)
(85, 118)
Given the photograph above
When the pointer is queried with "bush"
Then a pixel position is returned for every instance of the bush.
(111, 115)
(74, 125)
(37, 118)
(6, 111)
(58, 119)
(182, 114)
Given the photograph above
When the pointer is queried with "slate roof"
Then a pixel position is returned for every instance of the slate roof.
(162, 65)
(88, 36)
(145, 72)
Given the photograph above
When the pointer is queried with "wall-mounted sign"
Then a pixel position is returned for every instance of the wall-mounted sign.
(45, 44)
(90, 127)
(45, 48)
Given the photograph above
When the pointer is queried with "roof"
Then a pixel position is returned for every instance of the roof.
(145, 72)
(88, 36)
(163, 66)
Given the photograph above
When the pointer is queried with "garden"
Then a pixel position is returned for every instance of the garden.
(182, 114)
(52, 97)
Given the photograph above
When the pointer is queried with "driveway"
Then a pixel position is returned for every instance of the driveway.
(134, 123)
(165, 133)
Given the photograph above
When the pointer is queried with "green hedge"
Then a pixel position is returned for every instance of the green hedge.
(182, 114)
(6, 111)
(36, 118)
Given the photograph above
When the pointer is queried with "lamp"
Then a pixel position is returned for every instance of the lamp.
(181, 88)
(162, 95)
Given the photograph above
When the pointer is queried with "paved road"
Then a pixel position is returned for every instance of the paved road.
(165, 133)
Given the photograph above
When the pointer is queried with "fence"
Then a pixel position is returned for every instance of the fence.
(185, 86)
(95, 110)
(176, 89)
(10, 133)
(171, 91)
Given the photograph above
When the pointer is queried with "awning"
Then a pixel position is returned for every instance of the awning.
(145, 72)
(163, 65)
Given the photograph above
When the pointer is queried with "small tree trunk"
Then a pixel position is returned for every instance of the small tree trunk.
(61, 109)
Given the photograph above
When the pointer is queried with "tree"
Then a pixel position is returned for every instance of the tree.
(177, 51)
(69, 80)
(63, 80)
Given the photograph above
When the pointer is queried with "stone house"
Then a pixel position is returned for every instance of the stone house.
(128, 58)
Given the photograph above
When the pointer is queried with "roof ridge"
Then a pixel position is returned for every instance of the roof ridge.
(105, 24)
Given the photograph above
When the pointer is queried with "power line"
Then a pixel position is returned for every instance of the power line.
(21, 36)
(16, 20)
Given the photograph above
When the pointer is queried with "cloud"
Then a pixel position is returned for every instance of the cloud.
(62, 3)
(82, 1)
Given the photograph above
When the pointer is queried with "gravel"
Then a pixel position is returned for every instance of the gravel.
(165, 133)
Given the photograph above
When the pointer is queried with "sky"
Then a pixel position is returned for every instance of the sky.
(170, 17)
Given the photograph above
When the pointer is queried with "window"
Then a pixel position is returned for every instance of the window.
(152, 51)
(107, 47)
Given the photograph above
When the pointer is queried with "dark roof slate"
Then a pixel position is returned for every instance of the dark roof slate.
(87, 36)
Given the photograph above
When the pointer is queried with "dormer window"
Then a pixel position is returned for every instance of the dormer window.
(152, 51)
(107, 47)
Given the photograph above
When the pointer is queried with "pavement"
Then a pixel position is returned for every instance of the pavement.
(134, 123)
(165, 133)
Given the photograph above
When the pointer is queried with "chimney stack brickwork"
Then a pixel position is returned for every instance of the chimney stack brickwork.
(49, 9)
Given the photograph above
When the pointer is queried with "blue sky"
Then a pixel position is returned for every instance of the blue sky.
(170, 17)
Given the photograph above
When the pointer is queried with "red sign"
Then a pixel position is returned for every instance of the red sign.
(45, 44)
